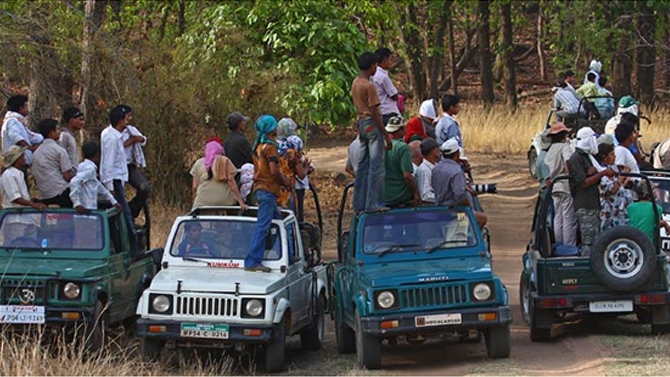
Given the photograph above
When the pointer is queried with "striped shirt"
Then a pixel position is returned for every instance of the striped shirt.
(565, 100)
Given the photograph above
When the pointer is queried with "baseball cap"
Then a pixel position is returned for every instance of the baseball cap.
(628, 101)
(236, 117)
(450, 146)
(585, 132)
(71, 113)
(428, 145)
(463, 157)
(394, 124)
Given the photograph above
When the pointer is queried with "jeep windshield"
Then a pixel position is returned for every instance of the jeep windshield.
(55, 230)
(413, 231)
(221, 239)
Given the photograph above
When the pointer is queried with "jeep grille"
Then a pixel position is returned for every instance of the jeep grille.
(14, 291)
(207, 306)
(433, 296)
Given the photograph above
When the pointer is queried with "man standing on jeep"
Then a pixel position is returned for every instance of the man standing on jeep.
(584, 180)
(565, 223)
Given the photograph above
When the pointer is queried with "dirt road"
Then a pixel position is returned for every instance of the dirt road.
(577, 351)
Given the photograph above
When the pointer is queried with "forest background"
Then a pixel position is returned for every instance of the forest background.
(185, 65)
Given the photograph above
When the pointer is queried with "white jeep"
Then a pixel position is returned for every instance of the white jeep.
(203, 297)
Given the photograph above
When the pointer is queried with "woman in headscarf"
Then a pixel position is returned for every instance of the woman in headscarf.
(285, 127)
(422, 127)
(295, 166)
(214, 178)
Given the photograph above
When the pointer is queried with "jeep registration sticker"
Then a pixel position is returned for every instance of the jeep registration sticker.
(438, 320)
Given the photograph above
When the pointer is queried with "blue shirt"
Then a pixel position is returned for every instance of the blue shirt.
(449, 183)
(446, 128)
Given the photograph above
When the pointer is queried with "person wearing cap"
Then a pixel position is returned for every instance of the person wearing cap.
(400, 187)
(627, 105)
(424, 174)
(236, 145)
(447, 126)
(386, 91)
(541, 168)
(133, 144)
(15, 129)
(417, 156)
(73, 122)
(85, 188)
(584, 182)
(12, 182)
(52, 168)
(374, 140)
(449, 183)
(566, 102)
(565, 222)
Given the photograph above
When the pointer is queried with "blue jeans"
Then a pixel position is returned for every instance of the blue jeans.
(267, 211)
(369, 184)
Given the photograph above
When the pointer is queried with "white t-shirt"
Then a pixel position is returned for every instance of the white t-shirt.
(624, 157)
(12, 187)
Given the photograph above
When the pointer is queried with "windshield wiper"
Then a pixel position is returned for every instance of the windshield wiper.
(394, 248)
(443, 244)
(191, 259)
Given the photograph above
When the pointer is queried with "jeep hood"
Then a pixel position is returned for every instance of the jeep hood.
(217, 280)
(442, 270)
(64, 268)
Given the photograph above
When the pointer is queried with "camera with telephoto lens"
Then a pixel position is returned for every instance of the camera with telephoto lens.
(487, 188)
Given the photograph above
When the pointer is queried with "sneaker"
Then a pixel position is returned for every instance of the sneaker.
(259, 268)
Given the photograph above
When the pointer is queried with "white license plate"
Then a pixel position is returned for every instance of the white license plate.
(27, 314)
(438, 320)
(204, 330)
(610, 306)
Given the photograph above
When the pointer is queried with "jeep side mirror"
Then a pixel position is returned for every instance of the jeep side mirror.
(313, 257)
(157, 256)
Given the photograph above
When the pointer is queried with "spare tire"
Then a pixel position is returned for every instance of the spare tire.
(623, 258)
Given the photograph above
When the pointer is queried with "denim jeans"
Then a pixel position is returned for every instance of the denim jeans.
(267, 211)
(120, 196)
(369, 184)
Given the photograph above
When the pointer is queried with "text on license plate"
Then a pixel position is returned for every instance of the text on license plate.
(204, 330)
(610, 306)
(438, 320)
(26, 314)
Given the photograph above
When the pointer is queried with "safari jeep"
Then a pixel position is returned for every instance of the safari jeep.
(626, 273)
(205, 298)
(61, 269)
(415, 273)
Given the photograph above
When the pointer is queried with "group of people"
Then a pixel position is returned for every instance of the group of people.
(596, 196)
(592, 99)
(397, 163)
(63, 179)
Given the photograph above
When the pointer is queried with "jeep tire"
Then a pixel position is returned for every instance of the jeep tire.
(311, 338)
(537, 317)
(524, 298)
(532, 160)
(276, 349)
(623, 258)
(151, 349)
(368, 348)
(498, 342)
(346, 340)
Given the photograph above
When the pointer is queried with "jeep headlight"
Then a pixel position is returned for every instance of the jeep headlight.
(71, 290)
(385, 300)
(161, 303)
(253, 307)
(481, 291)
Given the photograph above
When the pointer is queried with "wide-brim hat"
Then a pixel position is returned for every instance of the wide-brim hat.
(557, 128)
(394, 124)
(13, 154)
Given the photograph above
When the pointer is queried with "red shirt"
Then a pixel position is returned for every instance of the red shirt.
(415, 127)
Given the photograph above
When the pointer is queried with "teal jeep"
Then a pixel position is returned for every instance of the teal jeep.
(60, 269)
(415, 273)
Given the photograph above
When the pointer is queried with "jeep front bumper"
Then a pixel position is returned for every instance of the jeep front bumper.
(171, 331)
(412, 323)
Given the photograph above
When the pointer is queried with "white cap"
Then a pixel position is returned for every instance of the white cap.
(585, 132)
(450, 146)
(462, 154)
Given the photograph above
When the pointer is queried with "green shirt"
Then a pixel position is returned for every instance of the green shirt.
(588, 90)
(398, 161)
(641, 216)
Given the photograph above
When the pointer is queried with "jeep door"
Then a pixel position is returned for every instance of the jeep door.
(299, 277)
(121, 283)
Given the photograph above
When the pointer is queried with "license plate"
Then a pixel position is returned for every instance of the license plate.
(26, 314)
(204, 330)
(610, 306)
(438, 320)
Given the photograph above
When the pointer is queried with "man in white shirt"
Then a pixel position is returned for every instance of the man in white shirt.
(15, 128)
(387, 92)
(417, 157)
(52, 167)
(73, 122)
(626, 135)
(113, 163)
(12, 182)
(85, 188)
(133, 142)
(424, 174)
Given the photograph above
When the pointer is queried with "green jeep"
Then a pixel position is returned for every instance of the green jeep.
(60, 269)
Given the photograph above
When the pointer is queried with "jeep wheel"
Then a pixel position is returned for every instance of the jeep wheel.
(536, 316)
(346, 340)
(311, 338)
(368, 348)
(524, 298)
(532, 159)
(151, 349)
(623, 258)
(498, 342)
(274, 352)
(96, 331)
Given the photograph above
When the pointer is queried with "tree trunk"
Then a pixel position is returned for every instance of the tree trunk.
(414, 51)
(437, 59)
(666, 51)
(646, 53)
(508, 55)
(182, 17)
(540, 50)
(483, 40)
(623, 62)
(452, 53)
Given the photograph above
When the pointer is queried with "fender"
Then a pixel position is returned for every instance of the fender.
(140, 304)
(281, 308)
(360, 303)
(144, 283)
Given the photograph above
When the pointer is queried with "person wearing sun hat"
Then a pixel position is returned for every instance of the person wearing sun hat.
(565, 223)
(627, 104)
(399, 185)
(541, 168)
(12, 183)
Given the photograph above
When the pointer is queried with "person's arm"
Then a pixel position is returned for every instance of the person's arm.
(460, 189)
(105, 194)
(65, 165)
(134, 140)
(30, 203)
(300, 170)
(349, 168)
(557, 103)
(234, 187)
(276, 172)
(390, 88)
(408, 172)
(107, 162)
(377, 119)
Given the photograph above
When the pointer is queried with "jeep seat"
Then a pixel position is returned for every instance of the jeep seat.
(311, 236)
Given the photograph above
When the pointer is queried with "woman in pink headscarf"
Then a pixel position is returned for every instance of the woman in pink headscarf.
(214, 179)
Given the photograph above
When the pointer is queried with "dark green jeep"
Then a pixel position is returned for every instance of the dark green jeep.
(61, 269)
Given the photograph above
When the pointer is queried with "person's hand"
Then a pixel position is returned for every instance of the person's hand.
(608, 173)
(388, 144)
(243, 206)
(416, 201)
(80, 210)
(119, 206)
(39, 206)
(138, 139)
(592, 170)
